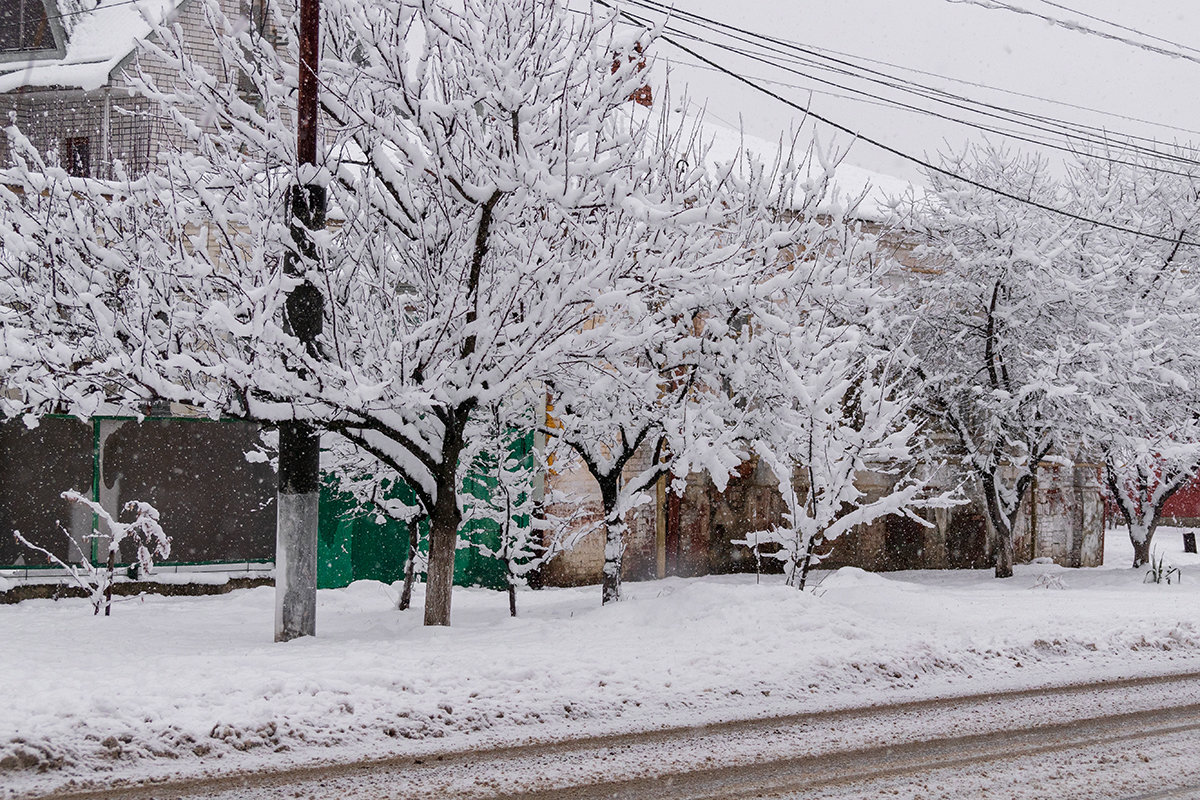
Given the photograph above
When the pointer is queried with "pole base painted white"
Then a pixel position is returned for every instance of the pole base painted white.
(296, 566)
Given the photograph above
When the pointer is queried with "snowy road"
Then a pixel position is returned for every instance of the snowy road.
(187, 689)
(1130, 739)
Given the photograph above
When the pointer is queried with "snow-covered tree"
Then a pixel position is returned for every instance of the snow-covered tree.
(830, 399)
(1044, 331)
(657, 401)
(838, 407)
(1142, 474)
(472, 155)
(1147, 424)
(144, 534)
(502, 468)
(1002, 325)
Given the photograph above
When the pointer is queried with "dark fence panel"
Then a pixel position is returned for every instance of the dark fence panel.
(36, 466)
(214, 504)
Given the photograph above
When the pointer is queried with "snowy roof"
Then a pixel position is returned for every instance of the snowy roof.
(98, 42)
(878, 192)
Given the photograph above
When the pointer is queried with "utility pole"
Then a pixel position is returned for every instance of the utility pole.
(300, 442)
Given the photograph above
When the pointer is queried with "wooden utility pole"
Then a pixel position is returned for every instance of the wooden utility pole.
(300, 442)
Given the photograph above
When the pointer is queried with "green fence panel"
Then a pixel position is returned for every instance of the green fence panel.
(479, 561)
(335, 528)
(473, 567)
(357, 543)
(379, 550)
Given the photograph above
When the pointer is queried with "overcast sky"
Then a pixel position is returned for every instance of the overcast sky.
(961, 40)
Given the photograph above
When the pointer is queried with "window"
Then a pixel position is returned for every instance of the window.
(77, 156)
(26, 28)
(257, 15)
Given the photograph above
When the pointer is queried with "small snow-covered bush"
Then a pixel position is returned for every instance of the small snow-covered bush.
(1048, 580)
(144, 532)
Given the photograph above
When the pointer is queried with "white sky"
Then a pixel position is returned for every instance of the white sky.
(959, 40)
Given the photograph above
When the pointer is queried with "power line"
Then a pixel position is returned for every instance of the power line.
(894, 106)
(927, 92)
(998, 5)
(1119, 26)
(1041, 141)
(1174, 241)
(989, 87)
(816, 51)
(1078, 131)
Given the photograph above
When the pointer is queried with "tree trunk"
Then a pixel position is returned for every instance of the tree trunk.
(1141, 550)
(614, 548)
(1002, 524)
(443, 540)
(614, 542)
(444, 522)
(1004, 554)
(108, 581)
(806, 562)
(512, 598)
(410, 566)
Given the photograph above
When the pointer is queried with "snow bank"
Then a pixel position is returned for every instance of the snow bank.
(184, 685)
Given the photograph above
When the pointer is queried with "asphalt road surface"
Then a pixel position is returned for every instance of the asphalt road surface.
(1136, 739)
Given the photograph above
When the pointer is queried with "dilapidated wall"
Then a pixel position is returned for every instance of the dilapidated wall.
(580, 512)
(701, 532)
(1063, 518)
(955, 538)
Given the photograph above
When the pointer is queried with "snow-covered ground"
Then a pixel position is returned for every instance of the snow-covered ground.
(184, 685)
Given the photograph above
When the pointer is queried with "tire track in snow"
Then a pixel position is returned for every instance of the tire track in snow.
(852, 744)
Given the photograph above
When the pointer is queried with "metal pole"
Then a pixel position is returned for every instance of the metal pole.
(300, 442)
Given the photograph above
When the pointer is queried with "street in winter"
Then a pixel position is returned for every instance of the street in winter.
(1083, 684)
(570, 399)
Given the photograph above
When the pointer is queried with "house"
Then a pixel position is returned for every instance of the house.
(62, 70)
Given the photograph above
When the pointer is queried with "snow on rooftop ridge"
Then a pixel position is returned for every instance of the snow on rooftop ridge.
(875, 195)
(100, 39)
(879, 193)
